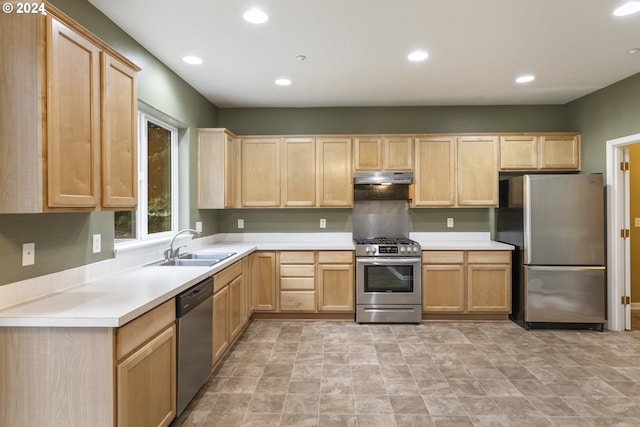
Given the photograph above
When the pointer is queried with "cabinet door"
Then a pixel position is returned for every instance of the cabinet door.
(260, 172)
(298, 172)
(367, 154)
(220, 323)
(218, 169)
(335, 178)
(435, 171)
(477, 171)
(73, 118)
(236, 307)
(518, 152)
(249, 275)
(335, 287)
(398, 154)
(559, 152)
(489, 288)
(443, 288)
(146, 383)
(265, 286)
(119, 147)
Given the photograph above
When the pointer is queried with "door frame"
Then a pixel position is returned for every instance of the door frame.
(618, 249)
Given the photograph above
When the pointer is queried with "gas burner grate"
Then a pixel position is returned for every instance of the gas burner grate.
(385, 241)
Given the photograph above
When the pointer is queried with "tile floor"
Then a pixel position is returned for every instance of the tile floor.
(283, 373)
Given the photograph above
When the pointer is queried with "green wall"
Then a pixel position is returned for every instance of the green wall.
(609, 113)
(288, 121)
(64, 240)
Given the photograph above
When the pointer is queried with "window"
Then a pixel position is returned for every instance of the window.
(157, 213)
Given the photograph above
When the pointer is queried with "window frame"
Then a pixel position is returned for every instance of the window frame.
(142, 211)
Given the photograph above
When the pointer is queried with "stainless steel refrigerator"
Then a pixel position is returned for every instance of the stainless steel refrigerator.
(556, 223)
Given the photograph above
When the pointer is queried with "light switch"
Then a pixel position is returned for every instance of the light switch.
(97, 243)
(28, 254)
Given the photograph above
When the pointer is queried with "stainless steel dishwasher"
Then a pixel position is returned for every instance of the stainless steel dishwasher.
(194, 313)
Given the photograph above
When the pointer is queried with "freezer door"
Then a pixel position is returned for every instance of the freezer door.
(565, 294)
(564, 219)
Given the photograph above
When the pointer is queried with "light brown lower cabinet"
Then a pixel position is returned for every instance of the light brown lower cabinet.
(466, 282)
(220, 323)
(147, 383)
(264, 285)
(90, 376)
(228, 308)
(335, 278)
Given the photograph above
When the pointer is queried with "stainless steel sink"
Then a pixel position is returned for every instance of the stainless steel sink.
(219, 256)
(187, 262)
(200, 259)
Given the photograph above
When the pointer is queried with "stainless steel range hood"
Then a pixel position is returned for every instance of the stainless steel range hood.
(381, 185)
(383, 177)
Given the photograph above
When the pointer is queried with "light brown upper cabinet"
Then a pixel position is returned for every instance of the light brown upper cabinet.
(260, 172)
(334, 174)
(549, 152)
(67, 118)
(435, 182)
(456, 171)
(298, 172)
(383, 153)
(218, 169)
(477, 171)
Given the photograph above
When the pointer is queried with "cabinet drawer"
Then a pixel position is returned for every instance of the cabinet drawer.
(335, 257)
(298, 300)
(224, 277)
(489, 257)
(443, 257)
(297, 270)
(306, 257)
(143, 328)
(298, 283)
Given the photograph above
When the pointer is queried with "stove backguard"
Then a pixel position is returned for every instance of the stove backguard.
(374, 218)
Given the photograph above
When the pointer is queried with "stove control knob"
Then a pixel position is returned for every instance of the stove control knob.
(367, 249)
(402, 249)
(415, 249)
(373, 250)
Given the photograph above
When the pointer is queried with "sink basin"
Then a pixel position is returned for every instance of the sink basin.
(187, 262)
(219, 256)
(201, 259)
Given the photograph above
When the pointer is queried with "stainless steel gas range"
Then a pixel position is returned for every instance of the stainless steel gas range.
(388, 268)
(388, 281)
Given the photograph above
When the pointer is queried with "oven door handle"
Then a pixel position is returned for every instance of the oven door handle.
(388, 261)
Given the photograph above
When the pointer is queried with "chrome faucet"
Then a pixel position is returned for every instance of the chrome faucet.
(170, 254)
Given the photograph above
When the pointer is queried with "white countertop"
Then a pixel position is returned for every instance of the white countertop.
(115, 300)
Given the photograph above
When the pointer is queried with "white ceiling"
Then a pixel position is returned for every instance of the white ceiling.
(356, 49)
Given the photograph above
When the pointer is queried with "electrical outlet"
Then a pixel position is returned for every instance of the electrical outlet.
(28, 254)
(323, 223)
(97, 243)
(199, 226)
(241, 223)
(449, 222)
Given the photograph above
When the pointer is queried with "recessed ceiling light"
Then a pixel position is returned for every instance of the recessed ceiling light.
(192, 60)
(255, 16)
(629, 8)
(633, 51)
(283, 82)
(417, 55)
(525, 79)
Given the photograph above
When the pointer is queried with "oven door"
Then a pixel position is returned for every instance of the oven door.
(388, 280)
